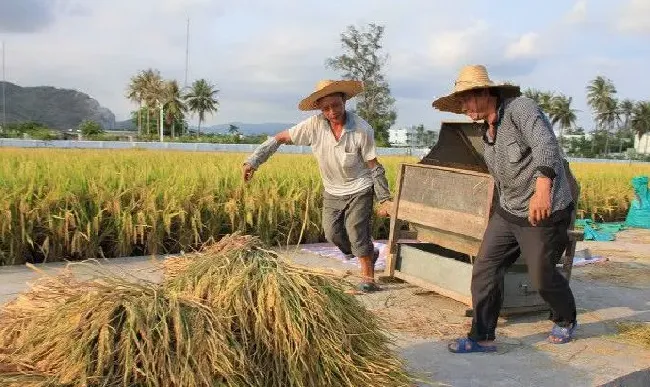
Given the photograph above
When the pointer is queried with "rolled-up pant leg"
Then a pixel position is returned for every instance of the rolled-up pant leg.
(333, 222)
(347, 222)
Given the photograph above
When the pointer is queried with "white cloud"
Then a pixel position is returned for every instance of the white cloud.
(635, 17)
(265, 56)
(578, 13)
(527, 46)
(456, 47)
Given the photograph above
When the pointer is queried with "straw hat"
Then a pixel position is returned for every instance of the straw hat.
(326, 87)
(470, 78)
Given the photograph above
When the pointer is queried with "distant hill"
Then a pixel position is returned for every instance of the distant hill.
(54, 107)
(125, 125)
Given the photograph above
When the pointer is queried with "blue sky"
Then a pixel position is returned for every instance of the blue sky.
(264, 56)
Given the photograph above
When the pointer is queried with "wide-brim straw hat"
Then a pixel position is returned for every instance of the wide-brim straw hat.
(470, 78)
(327, 87)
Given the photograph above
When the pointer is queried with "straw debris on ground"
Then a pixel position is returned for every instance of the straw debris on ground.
(235, 317)
(635, 332)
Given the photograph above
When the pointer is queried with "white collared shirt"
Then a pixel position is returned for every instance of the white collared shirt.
(342, 163)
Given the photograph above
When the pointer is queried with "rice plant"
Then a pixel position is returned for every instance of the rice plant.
(72, 204)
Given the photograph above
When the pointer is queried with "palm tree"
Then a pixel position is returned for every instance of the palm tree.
(135, 93)
(640, 120)
(626, 108)
(152, 90)
(562, 113)
(173, 104)
(600, 96)
(202, 99)
(542, 98)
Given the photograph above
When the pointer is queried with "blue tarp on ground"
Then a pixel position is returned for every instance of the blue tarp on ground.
(639, 213)
(599, 232)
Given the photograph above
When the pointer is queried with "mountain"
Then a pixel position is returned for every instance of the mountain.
(53, 107)
(269, 128)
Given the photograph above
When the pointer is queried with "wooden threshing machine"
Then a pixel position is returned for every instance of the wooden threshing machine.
(445, 201)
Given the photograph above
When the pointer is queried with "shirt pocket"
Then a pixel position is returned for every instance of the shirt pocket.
(514, 151)
(350, 163)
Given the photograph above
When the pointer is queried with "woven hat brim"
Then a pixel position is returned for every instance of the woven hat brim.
(349, 88)
(450, 103)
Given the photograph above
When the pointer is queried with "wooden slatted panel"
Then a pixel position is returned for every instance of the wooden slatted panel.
(447, 189)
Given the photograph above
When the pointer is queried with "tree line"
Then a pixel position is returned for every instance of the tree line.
(617, 121)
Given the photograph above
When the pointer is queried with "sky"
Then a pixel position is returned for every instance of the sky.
(265, 56)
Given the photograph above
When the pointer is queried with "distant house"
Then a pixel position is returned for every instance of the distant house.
(642, 145)
(401, 136)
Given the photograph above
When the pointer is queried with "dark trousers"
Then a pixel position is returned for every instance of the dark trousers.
(541, 248)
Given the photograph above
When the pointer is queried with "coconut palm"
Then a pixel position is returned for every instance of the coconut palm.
(600, 96)
(626, 108)
(542, 98)
(640, 120)
(201, 99)
(173, 104)
(562, 113)
(152, 90)
(135, 93)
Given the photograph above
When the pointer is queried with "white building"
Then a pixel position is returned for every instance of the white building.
(642, 145)
(401, 136)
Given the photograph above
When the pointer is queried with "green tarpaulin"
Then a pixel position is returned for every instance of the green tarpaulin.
(639, 213)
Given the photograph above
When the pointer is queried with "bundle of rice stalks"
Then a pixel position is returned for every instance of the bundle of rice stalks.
(240, 317)
(120, 333)
(235, 241)
(296, 327)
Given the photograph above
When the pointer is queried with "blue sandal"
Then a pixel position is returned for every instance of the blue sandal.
(564, 335)
(462, 347)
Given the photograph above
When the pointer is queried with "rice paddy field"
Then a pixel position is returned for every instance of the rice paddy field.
(59, 204)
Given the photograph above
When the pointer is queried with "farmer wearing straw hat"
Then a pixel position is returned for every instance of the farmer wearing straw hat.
(344, 146)
(534, 205)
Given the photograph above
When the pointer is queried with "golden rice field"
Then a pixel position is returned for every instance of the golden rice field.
(73, 204)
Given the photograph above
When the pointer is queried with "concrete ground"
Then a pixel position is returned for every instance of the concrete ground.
(607, 294)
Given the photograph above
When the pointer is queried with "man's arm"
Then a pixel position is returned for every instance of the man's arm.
(267, 149)
(380, 183)
(300, 134)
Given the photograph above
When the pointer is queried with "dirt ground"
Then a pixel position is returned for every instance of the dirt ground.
(628, 260)
(419, 314)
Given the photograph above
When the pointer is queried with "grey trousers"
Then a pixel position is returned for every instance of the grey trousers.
(347, 222)
(541, 248)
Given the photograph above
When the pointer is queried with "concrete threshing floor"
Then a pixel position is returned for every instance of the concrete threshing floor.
(606, 293)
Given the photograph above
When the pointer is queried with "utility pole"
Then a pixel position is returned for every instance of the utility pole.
(4, 103)
(161, 120)
(187, 50)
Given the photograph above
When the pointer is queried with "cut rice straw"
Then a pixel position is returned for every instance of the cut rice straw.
(233, 316)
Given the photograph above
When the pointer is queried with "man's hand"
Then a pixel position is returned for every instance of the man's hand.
(539, 207)
(248, 172)
(385, 208)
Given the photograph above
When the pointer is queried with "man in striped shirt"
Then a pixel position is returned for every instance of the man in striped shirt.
(534, 207)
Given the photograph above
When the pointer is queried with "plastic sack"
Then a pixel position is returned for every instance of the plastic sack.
(639, 212)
